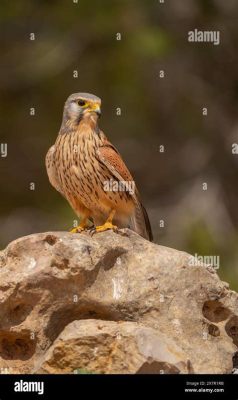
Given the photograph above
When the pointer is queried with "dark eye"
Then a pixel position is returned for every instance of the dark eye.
(81, 103)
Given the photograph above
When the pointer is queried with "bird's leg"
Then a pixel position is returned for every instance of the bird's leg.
(108, 224)
(82, 226)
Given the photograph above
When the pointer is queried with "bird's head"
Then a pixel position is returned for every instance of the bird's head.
(80, 105)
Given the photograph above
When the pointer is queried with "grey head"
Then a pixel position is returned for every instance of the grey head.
(79, 105)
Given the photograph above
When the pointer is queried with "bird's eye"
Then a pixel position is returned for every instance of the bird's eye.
(81, 103)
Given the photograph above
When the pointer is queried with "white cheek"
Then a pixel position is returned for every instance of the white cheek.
(74, 110)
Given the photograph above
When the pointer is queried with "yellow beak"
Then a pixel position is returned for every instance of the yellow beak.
(96, 108)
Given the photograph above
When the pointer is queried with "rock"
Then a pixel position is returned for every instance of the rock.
(112, 347)
(112, 303)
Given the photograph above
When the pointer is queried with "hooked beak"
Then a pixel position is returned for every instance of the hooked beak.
(96, 108)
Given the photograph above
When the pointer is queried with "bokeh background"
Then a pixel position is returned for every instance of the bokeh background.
(155, 112)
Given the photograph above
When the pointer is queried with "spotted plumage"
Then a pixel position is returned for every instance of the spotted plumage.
(82, 160)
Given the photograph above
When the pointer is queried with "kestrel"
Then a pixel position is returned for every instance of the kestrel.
(90, 173)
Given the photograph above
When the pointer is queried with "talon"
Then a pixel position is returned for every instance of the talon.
(91, 230)
(108, 224)
(82, 226)
(78, 229)
(105, 227)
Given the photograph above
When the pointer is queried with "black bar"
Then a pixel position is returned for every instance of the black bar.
(76, 386)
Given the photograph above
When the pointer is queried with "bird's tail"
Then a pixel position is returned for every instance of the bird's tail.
(140, 223)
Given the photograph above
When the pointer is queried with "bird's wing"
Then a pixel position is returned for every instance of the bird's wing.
(51, 170)
(111, 158)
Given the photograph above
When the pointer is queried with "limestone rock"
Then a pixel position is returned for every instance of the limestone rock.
(112, 347)
(112, 303)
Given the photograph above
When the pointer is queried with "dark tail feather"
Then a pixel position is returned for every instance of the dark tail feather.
(147, 224)
(140, 222)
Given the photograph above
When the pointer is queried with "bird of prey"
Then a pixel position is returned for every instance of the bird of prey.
(82, 161)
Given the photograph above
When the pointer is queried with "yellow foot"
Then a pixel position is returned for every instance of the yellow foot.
(78, 229)
(105, 227)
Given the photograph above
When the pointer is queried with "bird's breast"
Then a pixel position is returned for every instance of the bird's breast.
(77, 164)
(83, 175)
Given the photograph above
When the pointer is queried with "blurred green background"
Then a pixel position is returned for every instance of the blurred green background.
(155, 112)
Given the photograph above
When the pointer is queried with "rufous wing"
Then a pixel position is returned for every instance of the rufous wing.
(111, 158)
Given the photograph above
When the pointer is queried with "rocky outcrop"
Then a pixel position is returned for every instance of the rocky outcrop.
(112, 303)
